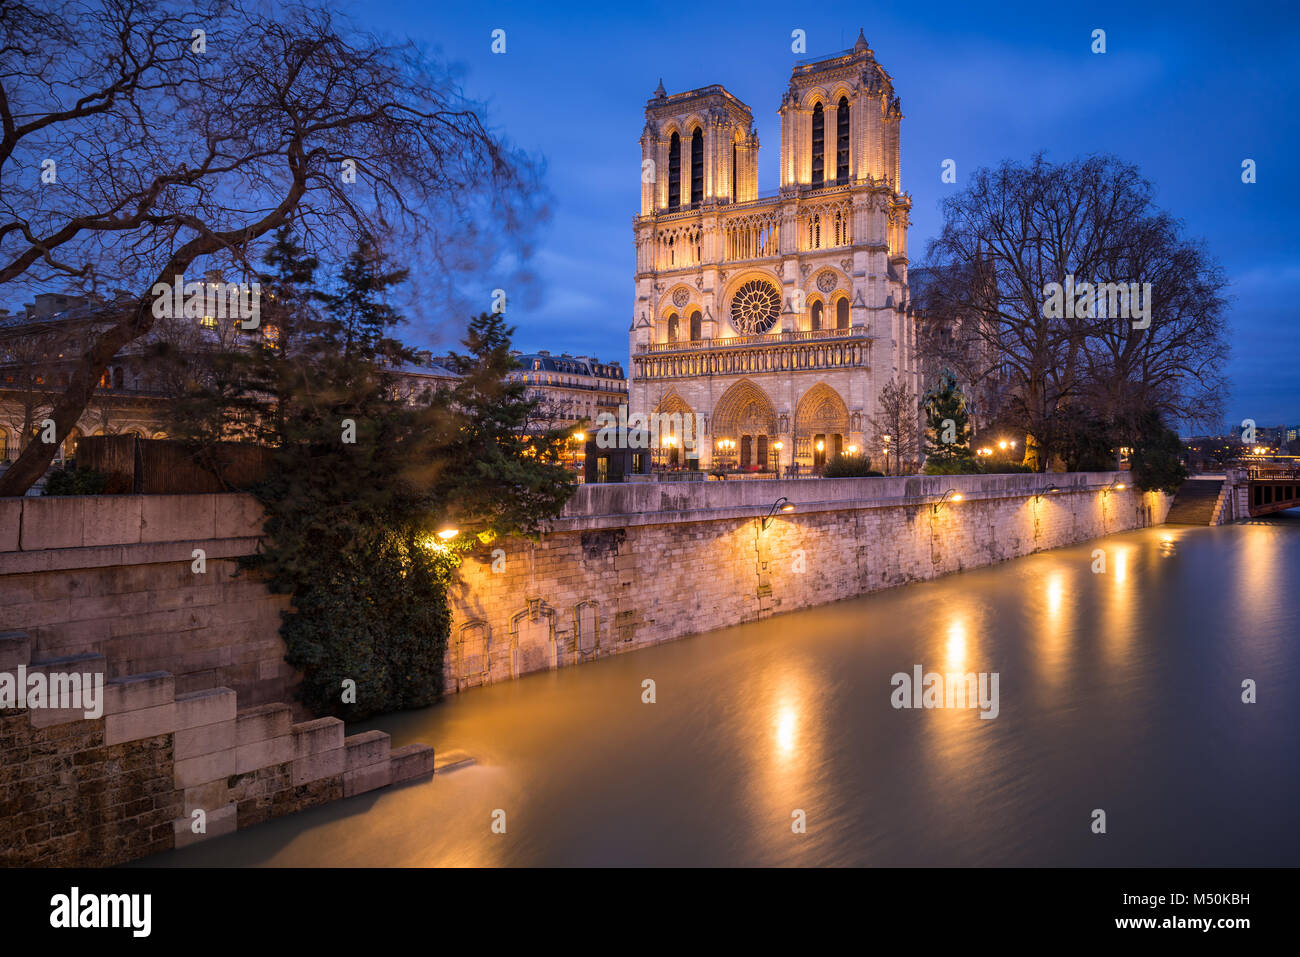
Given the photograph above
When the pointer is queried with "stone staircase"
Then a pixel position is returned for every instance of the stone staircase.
(1197, 502)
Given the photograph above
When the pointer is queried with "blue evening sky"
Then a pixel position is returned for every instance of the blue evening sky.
(1185, 91)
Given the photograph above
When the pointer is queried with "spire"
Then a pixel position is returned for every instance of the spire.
(660, 92)
(861, 45)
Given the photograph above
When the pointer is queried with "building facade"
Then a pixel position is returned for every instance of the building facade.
(778, 319)
(571, 389)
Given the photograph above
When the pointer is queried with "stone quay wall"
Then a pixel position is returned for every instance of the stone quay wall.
(632, 565)
(114, 575)
(626, 566)
(78, 791)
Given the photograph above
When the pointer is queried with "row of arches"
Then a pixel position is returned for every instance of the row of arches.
(744, 428)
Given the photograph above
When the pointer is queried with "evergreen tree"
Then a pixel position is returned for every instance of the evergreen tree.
(1156, 460)
(948, 431)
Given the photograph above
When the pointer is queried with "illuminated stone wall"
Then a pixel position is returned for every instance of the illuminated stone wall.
(634, 565)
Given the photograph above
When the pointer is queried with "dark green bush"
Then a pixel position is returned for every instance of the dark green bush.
(847, 465)
(75, 481)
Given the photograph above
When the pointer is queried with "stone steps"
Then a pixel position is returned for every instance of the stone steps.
(1196, 503)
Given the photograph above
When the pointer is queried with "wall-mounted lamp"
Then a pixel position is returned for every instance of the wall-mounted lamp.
(782, 504)
(952, 495)
(1114, 487)
(1047, 491)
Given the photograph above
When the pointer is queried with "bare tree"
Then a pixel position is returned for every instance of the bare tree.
(896, 427)
(179, 136)
(1018, 229)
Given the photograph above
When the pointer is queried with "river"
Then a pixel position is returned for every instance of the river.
(1118, 690)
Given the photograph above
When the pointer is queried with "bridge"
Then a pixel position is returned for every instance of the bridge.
(1237, 494)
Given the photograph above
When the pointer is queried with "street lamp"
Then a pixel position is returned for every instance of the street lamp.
(1046, 491)
(951, 495)
(777, 446)
(885, 439)
(782, 504)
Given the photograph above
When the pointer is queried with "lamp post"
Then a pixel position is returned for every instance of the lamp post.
(885, 439)
(777, 446)
(781, 504)
(951, 495)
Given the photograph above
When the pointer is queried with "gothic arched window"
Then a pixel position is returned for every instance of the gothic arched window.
(674, 172)
(733, 171)
(672, 327)
(818, 146)
(842, 141)
(697, 167)
(815, 322)
(842, 314)
(697, 326)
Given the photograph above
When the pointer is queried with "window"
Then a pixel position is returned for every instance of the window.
(697, 323)
(208, 322)
(697, 167)
(674, 172)
(815, 322)
(818, 145)
(842, 141)
(672, 328)
(842, 314)
(733, 172)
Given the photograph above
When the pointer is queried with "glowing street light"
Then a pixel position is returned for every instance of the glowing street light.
(952, 495)
(447, 534)
(782, 504)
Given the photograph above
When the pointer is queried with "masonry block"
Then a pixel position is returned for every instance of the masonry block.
(210, 706)
(134, 725)
(263, 722)
(137, 692)
(11, 520)
(54, 522)
(314, 737)
(209, 796)
(205, 768)
(261, 754)
(370, 747)
(15, 649)
(368, 778)
(323, 764)
(176, 518)
(412, 761)
(205, 739)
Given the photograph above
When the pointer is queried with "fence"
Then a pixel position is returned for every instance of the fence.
(168, 467)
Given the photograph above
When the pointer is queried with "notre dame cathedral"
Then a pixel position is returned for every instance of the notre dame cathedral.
(777, 318)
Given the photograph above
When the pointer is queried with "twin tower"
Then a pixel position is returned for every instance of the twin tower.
(777, 318)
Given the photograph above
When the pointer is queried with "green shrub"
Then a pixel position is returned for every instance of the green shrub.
(75, 481)
(848, 465)
(1005, 468)
(954, 466)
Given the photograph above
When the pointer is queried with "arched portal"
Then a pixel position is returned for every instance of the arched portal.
(676, 426)
(821, 426)
(745, 421)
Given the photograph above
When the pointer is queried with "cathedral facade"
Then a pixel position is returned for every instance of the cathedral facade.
(776, 319)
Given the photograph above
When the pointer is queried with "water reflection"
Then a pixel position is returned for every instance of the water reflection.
(1118, 689)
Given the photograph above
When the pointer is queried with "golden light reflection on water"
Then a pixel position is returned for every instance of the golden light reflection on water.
(956, 643)
(1119, 603)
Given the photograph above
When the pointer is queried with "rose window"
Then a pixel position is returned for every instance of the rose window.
(755, 308)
